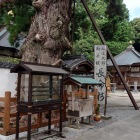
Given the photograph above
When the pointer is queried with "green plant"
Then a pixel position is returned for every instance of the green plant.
(9, 59)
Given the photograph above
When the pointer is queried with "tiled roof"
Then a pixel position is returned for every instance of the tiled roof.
(4, 41)
(71, 61)
(4, 34)
(7, 65)
(126, 58)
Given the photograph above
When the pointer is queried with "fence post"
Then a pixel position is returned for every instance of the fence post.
(7, 111)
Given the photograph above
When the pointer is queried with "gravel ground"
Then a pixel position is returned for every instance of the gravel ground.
(117, 113)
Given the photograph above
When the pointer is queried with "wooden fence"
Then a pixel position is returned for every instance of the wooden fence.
(8, 114)
(8, 126)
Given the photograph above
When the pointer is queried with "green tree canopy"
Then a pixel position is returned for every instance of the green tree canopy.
(17, 17)
(111, 17)
(117, 15)
(135, 23)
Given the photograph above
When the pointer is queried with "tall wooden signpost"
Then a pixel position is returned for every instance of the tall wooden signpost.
(109, 54)
(100, 70)
(100, 74)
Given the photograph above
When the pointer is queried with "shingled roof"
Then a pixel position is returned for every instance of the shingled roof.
(7, 65)
(4, 35)
(127, 58)
(77, 64)
(4, 41)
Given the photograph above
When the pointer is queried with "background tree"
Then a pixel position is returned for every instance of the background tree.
(5, 6)
(111, 16)
(84, 34)
(117, 30)
(48, 36)
(16, 15)
(116, 13)
(135, 24)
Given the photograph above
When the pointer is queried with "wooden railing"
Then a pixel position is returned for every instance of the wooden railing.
(133, 85)
(6, 115)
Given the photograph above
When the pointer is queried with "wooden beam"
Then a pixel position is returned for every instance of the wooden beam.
(109, 54)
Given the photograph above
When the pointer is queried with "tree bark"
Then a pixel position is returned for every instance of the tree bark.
(48, 36)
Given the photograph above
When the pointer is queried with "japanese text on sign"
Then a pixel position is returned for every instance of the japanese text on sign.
(100, 55)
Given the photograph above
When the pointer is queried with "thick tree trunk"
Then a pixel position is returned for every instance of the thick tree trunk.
(48, 35)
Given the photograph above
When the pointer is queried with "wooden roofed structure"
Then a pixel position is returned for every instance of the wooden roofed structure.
(77, 64)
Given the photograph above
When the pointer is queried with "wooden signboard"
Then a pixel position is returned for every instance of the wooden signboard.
(100, 69)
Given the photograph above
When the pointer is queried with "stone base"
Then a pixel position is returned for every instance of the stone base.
(77, 122)
(135, 91)
(105, 117)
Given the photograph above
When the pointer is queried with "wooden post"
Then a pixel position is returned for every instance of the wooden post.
(49, 122)
(39, 119)
(64, 106)
(18, 99)
(95, 101)
(109, 53)
(29, 127)
(81, 93)
(29, 106)
(95, 98)
(60, 123)
(7, 111)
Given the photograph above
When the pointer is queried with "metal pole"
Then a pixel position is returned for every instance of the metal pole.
(109, 53)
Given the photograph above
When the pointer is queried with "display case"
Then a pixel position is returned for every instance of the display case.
(39, 89)
(45, 88)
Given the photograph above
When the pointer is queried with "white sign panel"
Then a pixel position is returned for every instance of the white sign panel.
(100, 69)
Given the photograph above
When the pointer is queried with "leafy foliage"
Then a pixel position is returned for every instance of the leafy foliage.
(81, 19)
(4, 8)
(117, 47)
(85, 44)
(135, 23)
(84, 34)
(10, 59)
(124, 32)
(20, 20)
(111, 16)
(116, 13)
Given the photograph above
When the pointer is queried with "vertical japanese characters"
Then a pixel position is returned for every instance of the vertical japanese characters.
(100, 69)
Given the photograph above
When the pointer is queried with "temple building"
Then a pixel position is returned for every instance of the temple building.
(129, 64)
